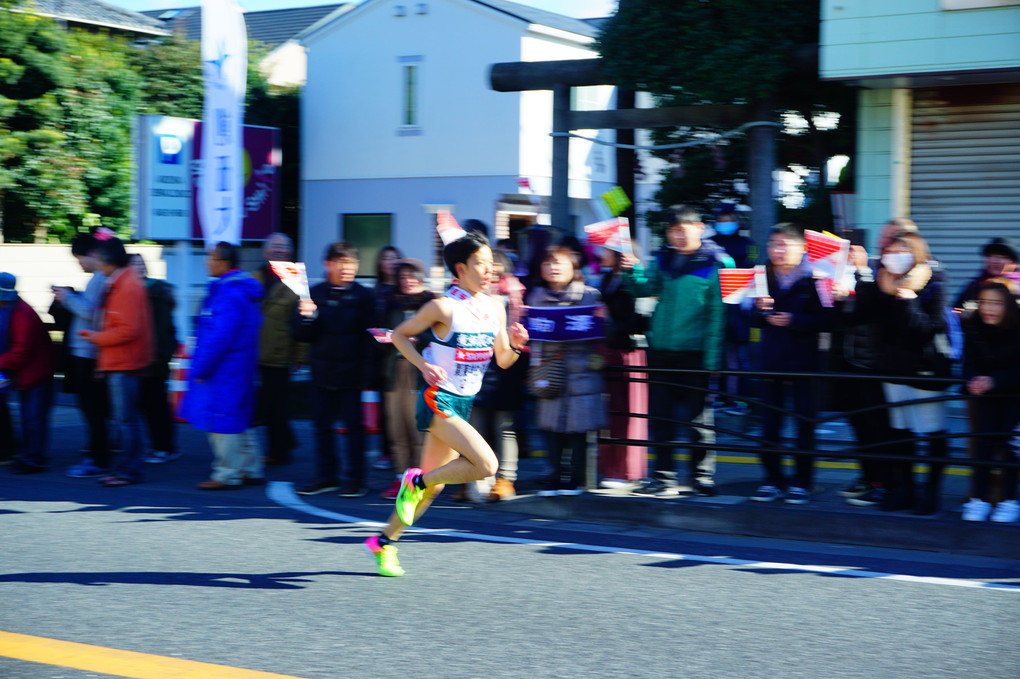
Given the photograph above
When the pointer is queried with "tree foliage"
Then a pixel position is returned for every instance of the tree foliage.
(729, 52)
(68, 100)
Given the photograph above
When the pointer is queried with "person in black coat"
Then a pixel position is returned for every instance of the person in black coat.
(906, 303)
(990, 366)
(791, 318)
(335, 324)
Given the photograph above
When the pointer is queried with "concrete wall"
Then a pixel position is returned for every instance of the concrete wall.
(862, 38)
(37, 267)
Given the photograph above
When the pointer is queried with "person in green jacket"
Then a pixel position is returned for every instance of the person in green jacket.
(687, 332)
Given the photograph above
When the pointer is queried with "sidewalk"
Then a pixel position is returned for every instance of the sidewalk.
(827, 518)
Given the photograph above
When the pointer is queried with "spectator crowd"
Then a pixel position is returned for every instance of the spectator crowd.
(887, 319)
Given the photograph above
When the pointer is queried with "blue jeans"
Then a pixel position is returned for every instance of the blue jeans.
(125, 402)
(35, 423)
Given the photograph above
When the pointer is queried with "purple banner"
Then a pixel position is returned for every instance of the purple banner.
(563, 323)
(262, 159)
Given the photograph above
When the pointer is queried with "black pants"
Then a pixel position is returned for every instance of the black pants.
(680, 398)
(773, 393)
(577, 444)
(156, 408)
(94, 404)
(274, 412)
(871, 428)
(345, 404)
(1000, 417)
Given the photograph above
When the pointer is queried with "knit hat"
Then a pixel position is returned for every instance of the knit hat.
(8, 292)
(1000, 245)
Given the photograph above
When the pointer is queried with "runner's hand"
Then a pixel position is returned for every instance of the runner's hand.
(433, 374)
(518, 335)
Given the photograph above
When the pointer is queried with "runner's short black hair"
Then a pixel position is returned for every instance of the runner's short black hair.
(460, 250)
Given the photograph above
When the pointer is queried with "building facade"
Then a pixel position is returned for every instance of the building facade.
(939, 116)
(399, 122)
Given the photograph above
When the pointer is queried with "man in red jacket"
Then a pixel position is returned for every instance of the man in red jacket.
(26, 363)
(126, 351)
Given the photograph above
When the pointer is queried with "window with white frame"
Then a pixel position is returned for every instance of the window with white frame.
(410, 94)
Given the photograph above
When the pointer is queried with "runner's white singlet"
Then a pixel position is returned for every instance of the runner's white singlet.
(466, 352)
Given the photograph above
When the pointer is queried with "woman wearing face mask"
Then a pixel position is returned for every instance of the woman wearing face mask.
(906, 303)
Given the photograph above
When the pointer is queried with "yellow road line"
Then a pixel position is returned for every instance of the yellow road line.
(117, 663)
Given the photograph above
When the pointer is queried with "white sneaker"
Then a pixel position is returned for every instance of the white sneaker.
(976, 510)
(160, 457)
(767, 494)
(1006, 511)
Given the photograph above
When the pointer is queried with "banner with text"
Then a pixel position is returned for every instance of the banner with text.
(225, 68)
(563, 323)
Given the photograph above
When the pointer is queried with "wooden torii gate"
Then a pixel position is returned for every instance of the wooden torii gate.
(560, 76)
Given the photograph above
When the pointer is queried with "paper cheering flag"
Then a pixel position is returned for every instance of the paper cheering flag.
(613, 234)
(294, 276)
(827, 254)
(761, 281)
(616, 199)
(620, 242)
(735, 284)
(824, 288)
(449, 229)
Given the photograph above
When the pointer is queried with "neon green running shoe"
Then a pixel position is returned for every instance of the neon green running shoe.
(408, 496)
(385, 557)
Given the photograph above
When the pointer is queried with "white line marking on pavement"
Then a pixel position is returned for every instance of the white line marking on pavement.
(283, 493)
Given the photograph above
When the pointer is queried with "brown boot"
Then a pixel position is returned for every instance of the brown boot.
(501, 490)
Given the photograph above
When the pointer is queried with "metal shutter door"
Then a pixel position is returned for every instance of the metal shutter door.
(965, 172)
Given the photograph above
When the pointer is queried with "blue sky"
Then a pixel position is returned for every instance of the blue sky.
(581, 9)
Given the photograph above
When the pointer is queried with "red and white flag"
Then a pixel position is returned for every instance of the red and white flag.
(761, 281)
(600, 233)
(449, 229)
(524, 183)
(620, 242)
(736, 284)
(294, 276)
(824, 288)
(827, 254)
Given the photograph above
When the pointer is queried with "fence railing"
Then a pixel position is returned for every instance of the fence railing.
(944, 390)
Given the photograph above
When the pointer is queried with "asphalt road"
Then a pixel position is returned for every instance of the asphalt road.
(263, 580)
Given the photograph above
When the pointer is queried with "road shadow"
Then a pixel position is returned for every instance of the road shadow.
(218, 580)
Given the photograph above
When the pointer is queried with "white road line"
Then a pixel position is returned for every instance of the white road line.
(283, 493)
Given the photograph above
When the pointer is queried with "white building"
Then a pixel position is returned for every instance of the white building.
(399, 121)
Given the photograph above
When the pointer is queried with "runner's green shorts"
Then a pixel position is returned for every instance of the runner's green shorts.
(433, 402)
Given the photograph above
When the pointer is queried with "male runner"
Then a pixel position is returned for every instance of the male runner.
(468, 329)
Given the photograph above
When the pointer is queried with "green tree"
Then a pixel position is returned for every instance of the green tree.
(41, 183)
(762, 54)
(98, 113)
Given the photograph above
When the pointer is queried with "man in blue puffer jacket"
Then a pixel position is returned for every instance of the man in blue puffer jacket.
(221, 384)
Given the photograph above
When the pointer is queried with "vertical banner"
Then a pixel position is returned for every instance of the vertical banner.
(224, 66)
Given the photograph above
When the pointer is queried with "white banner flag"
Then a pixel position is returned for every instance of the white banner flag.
(225, 68)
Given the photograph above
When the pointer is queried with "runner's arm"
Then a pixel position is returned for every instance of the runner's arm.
(509, 340)
(432, 315)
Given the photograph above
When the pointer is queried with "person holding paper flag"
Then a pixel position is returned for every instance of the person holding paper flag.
(687, 331)
(278, 351)
(744, 252)
(790, 317)
(579, 406)
(468, 329)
